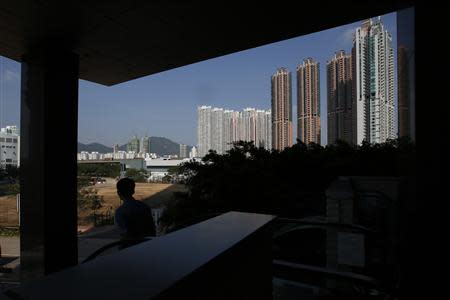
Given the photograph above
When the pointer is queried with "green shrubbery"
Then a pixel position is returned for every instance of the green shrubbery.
(289, 183)
(99, 169)
(9, 231)
(10, 181)
(136, 175)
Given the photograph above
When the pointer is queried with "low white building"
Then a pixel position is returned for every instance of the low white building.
(160, 167)
(130, 155)
(108, 156)
(120, 155)
(83, 155)
(9, 146)
(94, 156)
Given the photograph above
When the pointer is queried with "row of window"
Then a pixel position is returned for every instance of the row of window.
(8, 140)
(8, 160)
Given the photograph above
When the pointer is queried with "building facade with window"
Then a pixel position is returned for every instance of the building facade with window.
(281, 109)
(134, 145)
(9, 147)
(340, 98)
(308, 102)
(183, 151)
(373, 63)
(219, 128)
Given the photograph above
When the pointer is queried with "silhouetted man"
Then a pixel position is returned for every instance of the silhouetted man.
(133, 217)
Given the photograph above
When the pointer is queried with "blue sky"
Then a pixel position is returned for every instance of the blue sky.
(165, 104)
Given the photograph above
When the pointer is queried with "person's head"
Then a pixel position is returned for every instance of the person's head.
(125, 187)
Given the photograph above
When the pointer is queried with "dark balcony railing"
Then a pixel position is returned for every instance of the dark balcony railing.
(225, 257)
(304, 257)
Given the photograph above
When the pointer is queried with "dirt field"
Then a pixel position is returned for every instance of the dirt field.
(8, 211)
(154, 194)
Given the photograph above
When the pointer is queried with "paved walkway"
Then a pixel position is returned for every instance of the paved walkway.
(10, 246)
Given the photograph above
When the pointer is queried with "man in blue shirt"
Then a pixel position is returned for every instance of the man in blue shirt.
(133, 217)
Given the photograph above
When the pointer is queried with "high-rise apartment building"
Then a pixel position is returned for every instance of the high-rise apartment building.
(116, 148)
(133, 145)
(254, 126)
(219, 128)
(339, 98)
(145, 145)
(281, 109)
(230, 129)
(263, 123)
(183, 151)
(308, 102)
(204, 130)
(248, 129)
(373, 67)
(193, 152)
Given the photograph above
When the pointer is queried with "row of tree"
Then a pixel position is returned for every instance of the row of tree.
(88, 201)
(289, 183)
(99, 169)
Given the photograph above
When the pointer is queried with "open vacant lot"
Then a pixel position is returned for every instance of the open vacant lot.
(154, 194)
(8, 211)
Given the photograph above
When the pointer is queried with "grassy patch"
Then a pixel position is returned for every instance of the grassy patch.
(9, 231)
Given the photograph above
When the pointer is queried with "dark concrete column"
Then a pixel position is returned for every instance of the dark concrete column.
(49, 117)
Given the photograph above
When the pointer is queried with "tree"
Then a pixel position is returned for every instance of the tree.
(12, 171)
(99, 169)
(10, 180)
(89, 200)
(136, 175)
(174, 170)
(289, 183)
(167, 179)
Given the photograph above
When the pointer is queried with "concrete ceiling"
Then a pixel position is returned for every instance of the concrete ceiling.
(122, 40)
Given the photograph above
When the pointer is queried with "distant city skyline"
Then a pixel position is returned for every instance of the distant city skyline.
(165, 104)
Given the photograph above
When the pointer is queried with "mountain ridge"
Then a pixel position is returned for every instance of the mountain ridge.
(159, 145)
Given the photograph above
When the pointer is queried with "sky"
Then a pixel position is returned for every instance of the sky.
(165, 104)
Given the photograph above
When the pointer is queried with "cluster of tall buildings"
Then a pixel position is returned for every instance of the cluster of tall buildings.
(360, 93)
(137, 145)
(219, 128)
(360, 101)
(308, 105)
